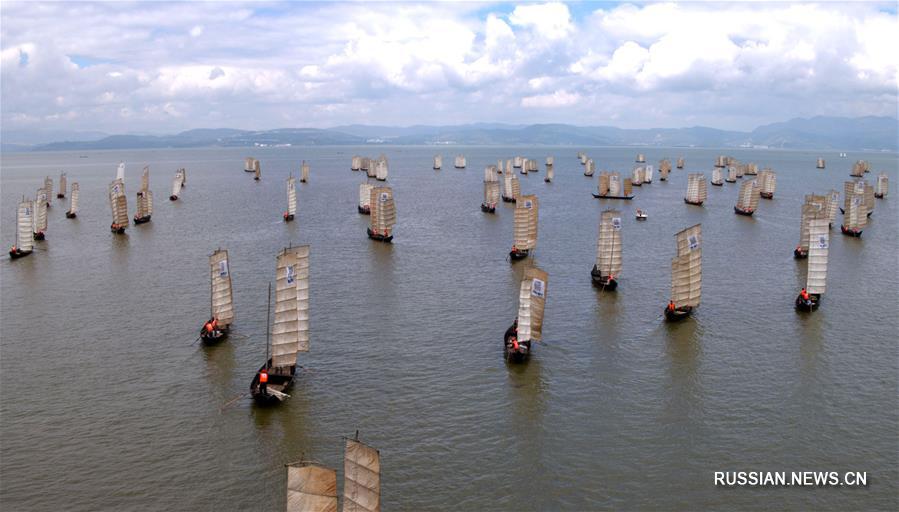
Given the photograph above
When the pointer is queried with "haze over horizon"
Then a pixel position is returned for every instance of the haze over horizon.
(169, 67)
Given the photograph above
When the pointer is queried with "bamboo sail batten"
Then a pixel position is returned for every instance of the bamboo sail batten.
(816, 278)
(383, 210)
(686, 268)
(290, 330)
(311, 488)
(24, 225)
(362, 478)
(608, 244)
(221, 295)
(531, 303)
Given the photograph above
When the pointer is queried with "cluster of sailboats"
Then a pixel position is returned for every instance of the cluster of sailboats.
(377, 168)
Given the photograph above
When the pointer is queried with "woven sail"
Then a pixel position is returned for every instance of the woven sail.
(291, 195)
(882, 186)
(520, 225)
(732, 174)
(290, 331)
(686, 268)
(869, 197)
(604, 186)
(145, 203)
(370, 167)
(550, 172)
(820, 163)
(550, 161)
(73, 198)
(816, 280)
(381, 169)
(615, 188)
(767, 181)
(356, 163)
(637, 176)
(248, 164)
(697, 191)
(516, 162)
(120, 172)
(383, 210)
(748, 198)
(628, 187)
(178, 182)
(460, 162)
(531, 301)
(490, 174)
(304, 172)
(221, 303)
(719, 161)
(311, 488)
(856, 217)
(491, 193)
(589, 167)
(63, 184)
(647, 174)
(740, 170)
(362, 478)
(716, 176)
(641, 158)
(833, 199)
(858, 169)
(438, 161)
(257, 169)
(118, 202)
(608, 245)
(680, 163)
(850, 188)
(24, 224)
(48, 188)
(809, 211)
(145, 178)
(533, 206)
(40, 211)
(365, 194)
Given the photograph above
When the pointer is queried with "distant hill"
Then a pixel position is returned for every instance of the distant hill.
(839, 133)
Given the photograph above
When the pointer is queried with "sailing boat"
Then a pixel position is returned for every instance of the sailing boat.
(249, 164)
(697, 192)
(381, 168)
(290, 332)
(647, 174)
(383, 214)
(618, 188)
(680, 163)
(438, 162)
(582, 157)
(858, 169)
(525, 227)
(720, 161)
(304, 172)
(311, 488)
(257, 170)
(820, 164)
(511, 186)
(118, 202)
(816, 272)
(63, 183)
(603, 187)
(24, 237)
(491, 190)
(589, 167)
(716, 177)
(748, 200)
(833, 199)
(608, 251)
(686, 274)
(499, 167)
(739, 169)
(528, 325)
(460, 162)
(731, 175)
(882, 186)
(768, 182)
(291, 199)
(637, 176)
(856, 218)
(869, 198)
(664, 169)
(810, 210)
(752, 169)
(369, 167)
(641, 158)
(48, 188)
(40, 215)
(516, 162)
(144, 207)
(356, 163)
(220, 299)
(365, 198)
(73, 201)
(550, 173)
(177, 184)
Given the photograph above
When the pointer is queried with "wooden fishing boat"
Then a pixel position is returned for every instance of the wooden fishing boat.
(290, 331)
(291, 199)
(607, 268)
(820, 163)
(356, 163)
(731, 175)
(751, 169)
(48, 188)
(664, 169)
(257, 170)
(499, 167)
(716, 177)
(24, 235)
(73, 201)
(511, 187)
(617, 188)
(641, 214)
(460, 162)
(637, 176)
(589, 167)
(311, 488)
(810, 210)
(438, 162)
(516, 162)
(221, 300)
(697, 192)
(851, 188)
(641, 158)
(527, 211)
(368, 167)
(748, 198)
(859, 168)
(680, 163)
(550, 173)
(856, 218)
(528, 325)
(39, 228)
(491, 190)
(816, 271)
(767, 183)
(686, 275)
(383, 214)
(118, 203)
(582, 157)
(63, 186)
(739, 169)
(177, 184)
(648, 174)
(603, 186)
(144, 207)
(304, 172)
(249, 164)
(365, 198)
(381, 169)
(720, 161)
(882, 186)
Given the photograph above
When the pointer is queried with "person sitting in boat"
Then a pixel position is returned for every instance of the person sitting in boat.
(805, 296)
(671, 307)
(211, 327)
(263, 381)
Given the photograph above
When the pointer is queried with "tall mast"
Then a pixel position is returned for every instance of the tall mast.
(268, 310)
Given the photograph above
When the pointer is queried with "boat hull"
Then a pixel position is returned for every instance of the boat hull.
(766, 195)
(280, 382)
(511, 354)
(173, 197)
(488, 209)
(747, 213)
(678, 314)
(626, 198)
(605, 283)
(850, 232)
(547, 180)
(364, 210)
(719, 184)
(730, 181)
(288, 217)
(60, 196)
(214, 337)
(141, 220)
(799, 254)
(878, 196)
(18, 253)
(509, 199)
(808, 305)
(379, 237)
(115, 228)
(517, 254)
(694, 203)
(39, 236)
(249, 170)
(70, 215)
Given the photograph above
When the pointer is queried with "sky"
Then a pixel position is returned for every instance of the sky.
(164, 67)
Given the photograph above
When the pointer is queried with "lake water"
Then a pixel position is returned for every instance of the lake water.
(107, 405)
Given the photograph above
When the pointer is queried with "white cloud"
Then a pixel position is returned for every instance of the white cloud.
(554, 100)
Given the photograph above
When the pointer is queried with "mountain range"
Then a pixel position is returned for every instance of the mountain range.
(838, 133)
